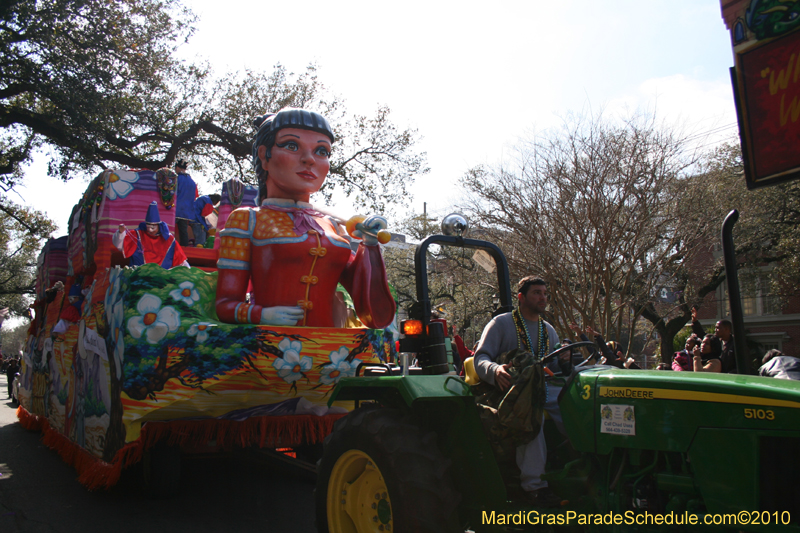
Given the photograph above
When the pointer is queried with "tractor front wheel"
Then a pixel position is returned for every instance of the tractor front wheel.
(381, 472)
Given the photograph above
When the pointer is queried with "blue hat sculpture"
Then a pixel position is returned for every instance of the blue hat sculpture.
(153, 217)
(75, 290)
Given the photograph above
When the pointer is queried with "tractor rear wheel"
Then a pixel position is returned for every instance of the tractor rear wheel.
(381, 472)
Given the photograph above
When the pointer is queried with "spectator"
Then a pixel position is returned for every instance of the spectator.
(682, 361)
(630, 363)
(607, 349)
(776, 365)
(594, 355)
(723, 330)
(705, 357)
(575, 354)
(11, 371)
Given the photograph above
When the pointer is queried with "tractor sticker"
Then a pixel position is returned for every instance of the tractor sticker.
(617, 419)
(627, 392)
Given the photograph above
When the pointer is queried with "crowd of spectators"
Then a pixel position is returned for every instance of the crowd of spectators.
(702, 352)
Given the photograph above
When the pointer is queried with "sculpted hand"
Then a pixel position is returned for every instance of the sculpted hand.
(122, 228)
(281, 315)
(372, 224)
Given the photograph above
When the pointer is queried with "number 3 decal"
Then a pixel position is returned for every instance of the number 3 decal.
(586, 392)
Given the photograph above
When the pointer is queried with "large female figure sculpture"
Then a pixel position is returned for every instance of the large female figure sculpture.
(293, 254)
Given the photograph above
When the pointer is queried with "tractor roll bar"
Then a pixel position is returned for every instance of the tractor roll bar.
(421, 267)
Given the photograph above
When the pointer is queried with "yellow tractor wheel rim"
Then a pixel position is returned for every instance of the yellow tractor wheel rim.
(358, 500)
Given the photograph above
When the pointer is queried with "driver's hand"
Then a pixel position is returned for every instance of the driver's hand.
(502, 378)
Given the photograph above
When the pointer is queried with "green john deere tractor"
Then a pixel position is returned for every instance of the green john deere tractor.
(647, 450)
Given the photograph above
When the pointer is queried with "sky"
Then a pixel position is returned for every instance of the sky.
(471, 77)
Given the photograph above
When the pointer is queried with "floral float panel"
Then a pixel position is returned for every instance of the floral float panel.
(148, 348)
(140, 355)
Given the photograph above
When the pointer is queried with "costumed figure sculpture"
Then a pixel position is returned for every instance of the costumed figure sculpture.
(151, 242)
(293, 254)
(72, 313)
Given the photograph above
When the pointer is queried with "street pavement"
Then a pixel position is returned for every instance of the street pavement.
(40, 493)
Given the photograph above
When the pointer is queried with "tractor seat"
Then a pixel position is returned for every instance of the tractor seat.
(470, 375)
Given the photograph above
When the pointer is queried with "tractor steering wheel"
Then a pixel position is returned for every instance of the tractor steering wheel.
(546, 359)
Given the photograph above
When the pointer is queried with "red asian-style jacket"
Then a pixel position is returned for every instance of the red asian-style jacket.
(294, 257)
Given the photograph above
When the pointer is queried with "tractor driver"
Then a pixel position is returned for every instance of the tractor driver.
(524, 328)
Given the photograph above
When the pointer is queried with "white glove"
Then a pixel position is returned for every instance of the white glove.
(281, 315)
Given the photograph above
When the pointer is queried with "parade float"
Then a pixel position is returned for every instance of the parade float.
(143, 363)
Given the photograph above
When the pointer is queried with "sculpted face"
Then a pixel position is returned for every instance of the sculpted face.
(299, 164)
(152, 229)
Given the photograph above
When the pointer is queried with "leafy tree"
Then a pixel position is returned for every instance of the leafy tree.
(14, 338)
(98, 82)
(767, 236)
(22, 231)
(373, 161)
